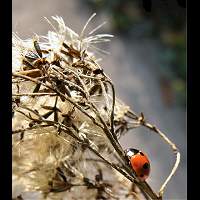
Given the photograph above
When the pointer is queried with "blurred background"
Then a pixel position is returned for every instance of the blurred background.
(147, 63)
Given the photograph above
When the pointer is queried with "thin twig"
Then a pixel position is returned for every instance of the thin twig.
(175, 150)
(153, 128)
(113, 107)
(34, 94)
(31, 128)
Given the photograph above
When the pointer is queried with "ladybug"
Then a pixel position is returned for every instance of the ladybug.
(139, 162)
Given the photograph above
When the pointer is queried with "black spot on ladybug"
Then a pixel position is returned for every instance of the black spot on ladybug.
(141, 175)
(141, 153)
(146, 166)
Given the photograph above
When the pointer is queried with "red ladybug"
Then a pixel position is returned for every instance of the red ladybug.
(139, 162)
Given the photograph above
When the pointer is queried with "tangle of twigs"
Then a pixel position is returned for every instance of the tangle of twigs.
(67, 121)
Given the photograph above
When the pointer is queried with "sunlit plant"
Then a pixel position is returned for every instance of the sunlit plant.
(67, 122)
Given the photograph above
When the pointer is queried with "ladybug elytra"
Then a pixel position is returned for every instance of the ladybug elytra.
(139, 162)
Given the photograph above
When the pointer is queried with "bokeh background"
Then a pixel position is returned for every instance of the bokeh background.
(147, 63)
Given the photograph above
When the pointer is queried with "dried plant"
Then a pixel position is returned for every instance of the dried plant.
(67, 122)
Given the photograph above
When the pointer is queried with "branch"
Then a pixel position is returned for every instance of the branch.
(142, 122)
(175, 151)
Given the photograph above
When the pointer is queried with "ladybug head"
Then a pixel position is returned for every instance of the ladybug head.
(130, 152)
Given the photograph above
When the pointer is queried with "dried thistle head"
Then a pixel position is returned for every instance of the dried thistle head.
(67, 121)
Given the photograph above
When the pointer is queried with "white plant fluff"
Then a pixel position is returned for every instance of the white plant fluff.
(67, 121)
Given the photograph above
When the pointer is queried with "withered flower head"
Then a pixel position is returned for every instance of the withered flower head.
(67, 121)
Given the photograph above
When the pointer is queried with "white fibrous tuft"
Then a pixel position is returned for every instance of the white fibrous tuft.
(66, 119)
